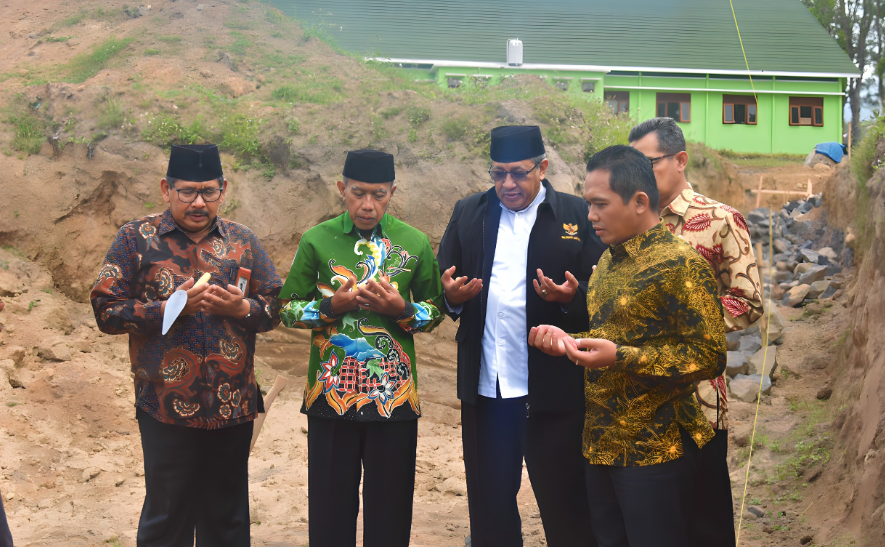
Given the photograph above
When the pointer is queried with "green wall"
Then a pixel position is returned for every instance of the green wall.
(496, 76)
(771, 134)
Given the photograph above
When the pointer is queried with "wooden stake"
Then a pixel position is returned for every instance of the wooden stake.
(759, 193)
(849, 151)
(763, 331)
(809, 193)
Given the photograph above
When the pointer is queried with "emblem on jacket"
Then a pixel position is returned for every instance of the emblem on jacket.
(571, 232)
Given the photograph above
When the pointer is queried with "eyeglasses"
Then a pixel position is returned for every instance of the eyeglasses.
(654, 161)
(189, 195)
(500, 175)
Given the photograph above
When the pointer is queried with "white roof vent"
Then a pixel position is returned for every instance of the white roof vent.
(514, 52)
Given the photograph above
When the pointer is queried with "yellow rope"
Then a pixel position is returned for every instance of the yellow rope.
(761, 377)
(741, 40)
(767, 323)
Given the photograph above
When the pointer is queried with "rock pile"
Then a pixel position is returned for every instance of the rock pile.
(808, 255)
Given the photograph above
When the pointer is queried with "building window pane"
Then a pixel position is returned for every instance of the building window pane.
(729, 113)
(561, 84)
(619, 101)
(454, 82)
(743, 108)
(807, 111)
(588, 87)
(675, 105)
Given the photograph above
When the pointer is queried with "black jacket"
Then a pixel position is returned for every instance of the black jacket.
(562, 239)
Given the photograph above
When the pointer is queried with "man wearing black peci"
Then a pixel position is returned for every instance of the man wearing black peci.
(515, 256)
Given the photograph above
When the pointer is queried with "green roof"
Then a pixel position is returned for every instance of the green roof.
(779, 35)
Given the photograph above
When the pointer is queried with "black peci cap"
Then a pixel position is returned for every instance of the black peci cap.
(372, 166)
(512, 143)
(194, 163)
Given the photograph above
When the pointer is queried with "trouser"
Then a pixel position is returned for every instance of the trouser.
(643, 506)
(713, 522)
(339, 451)
(496, 435)
(5, 534)
(196, 480)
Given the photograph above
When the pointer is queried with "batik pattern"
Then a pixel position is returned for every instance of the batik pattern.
(200, 374)
(719, 233)
(362, 364)
(656, 299)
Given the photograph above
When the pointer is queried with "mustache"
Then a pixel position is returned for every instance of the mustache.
(196, 213)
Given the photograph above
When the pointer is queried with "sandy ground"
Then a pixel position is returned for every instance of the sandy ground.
(71, 465)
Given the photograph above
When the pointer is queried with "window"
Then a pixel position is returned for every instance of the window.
(562, 83)
(619, 101)
(739, 109)
(588, 86)
(675, 105)
(807, 111)
(454, 80)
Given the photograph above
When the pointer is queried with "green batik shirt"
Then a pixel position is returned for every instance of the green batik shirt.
(656, 298)
(362, 364)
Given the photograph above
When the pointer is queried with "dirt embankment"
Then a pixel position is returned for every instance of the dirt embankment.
(857, 478)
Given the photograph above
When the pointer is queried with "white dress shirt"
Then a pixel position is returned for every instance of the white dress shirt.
(505, 352)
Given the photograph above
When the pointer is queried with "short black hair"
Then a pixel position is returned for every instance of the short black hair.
(670, 137)
(629, 172)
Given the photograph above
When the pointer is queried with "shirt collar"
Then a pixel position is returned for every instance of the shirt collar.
(167, 224)
(680, 203)
(635, 245)
(347, 224)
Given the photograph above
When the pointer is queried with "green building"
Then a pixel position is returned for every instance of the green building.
(679, 58)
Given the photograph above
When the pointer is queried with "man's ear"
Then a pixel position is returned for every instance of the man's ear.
(341, 187)
(641, 201)
(681, 161)
(542, 167)
(164, 189)
(392, 189)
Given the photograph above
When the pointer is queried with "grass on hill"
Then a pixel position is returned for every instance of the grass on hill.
(749, 159)
(86, 65)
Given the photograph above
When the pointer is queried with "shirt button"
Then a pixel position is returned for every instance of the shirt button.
(501, 342)
(500, 314)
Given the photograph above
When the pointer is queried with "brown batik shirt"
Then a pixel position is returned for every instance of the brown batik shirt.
(719, 232)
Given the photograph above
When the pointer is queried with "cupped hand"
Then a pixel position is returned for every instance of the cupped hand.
(229, 302)
(459, 290)
(551, 340)
(381, 297)
(551, 292)
(592, 353)
(344, 299)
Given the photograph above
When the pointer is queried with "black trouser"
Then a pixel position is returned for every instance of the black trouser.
(713, 525)
(196, 480)
(5, 534)
(644, 506)
(497, 434)
(339, 451)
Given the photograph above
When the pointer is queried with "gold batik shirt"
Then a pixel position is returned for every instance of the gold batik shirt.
(720, 234)
(655, 297)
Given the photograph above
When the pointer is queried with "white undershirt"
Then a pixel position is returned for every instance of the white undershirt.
(505, 352)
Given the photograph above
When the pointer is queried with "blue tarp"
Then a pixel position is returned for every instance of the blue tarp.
(832, 150)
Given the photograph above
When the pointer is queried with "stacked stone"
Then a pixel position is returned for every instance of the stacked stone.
(808, 258)
(808, 254)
